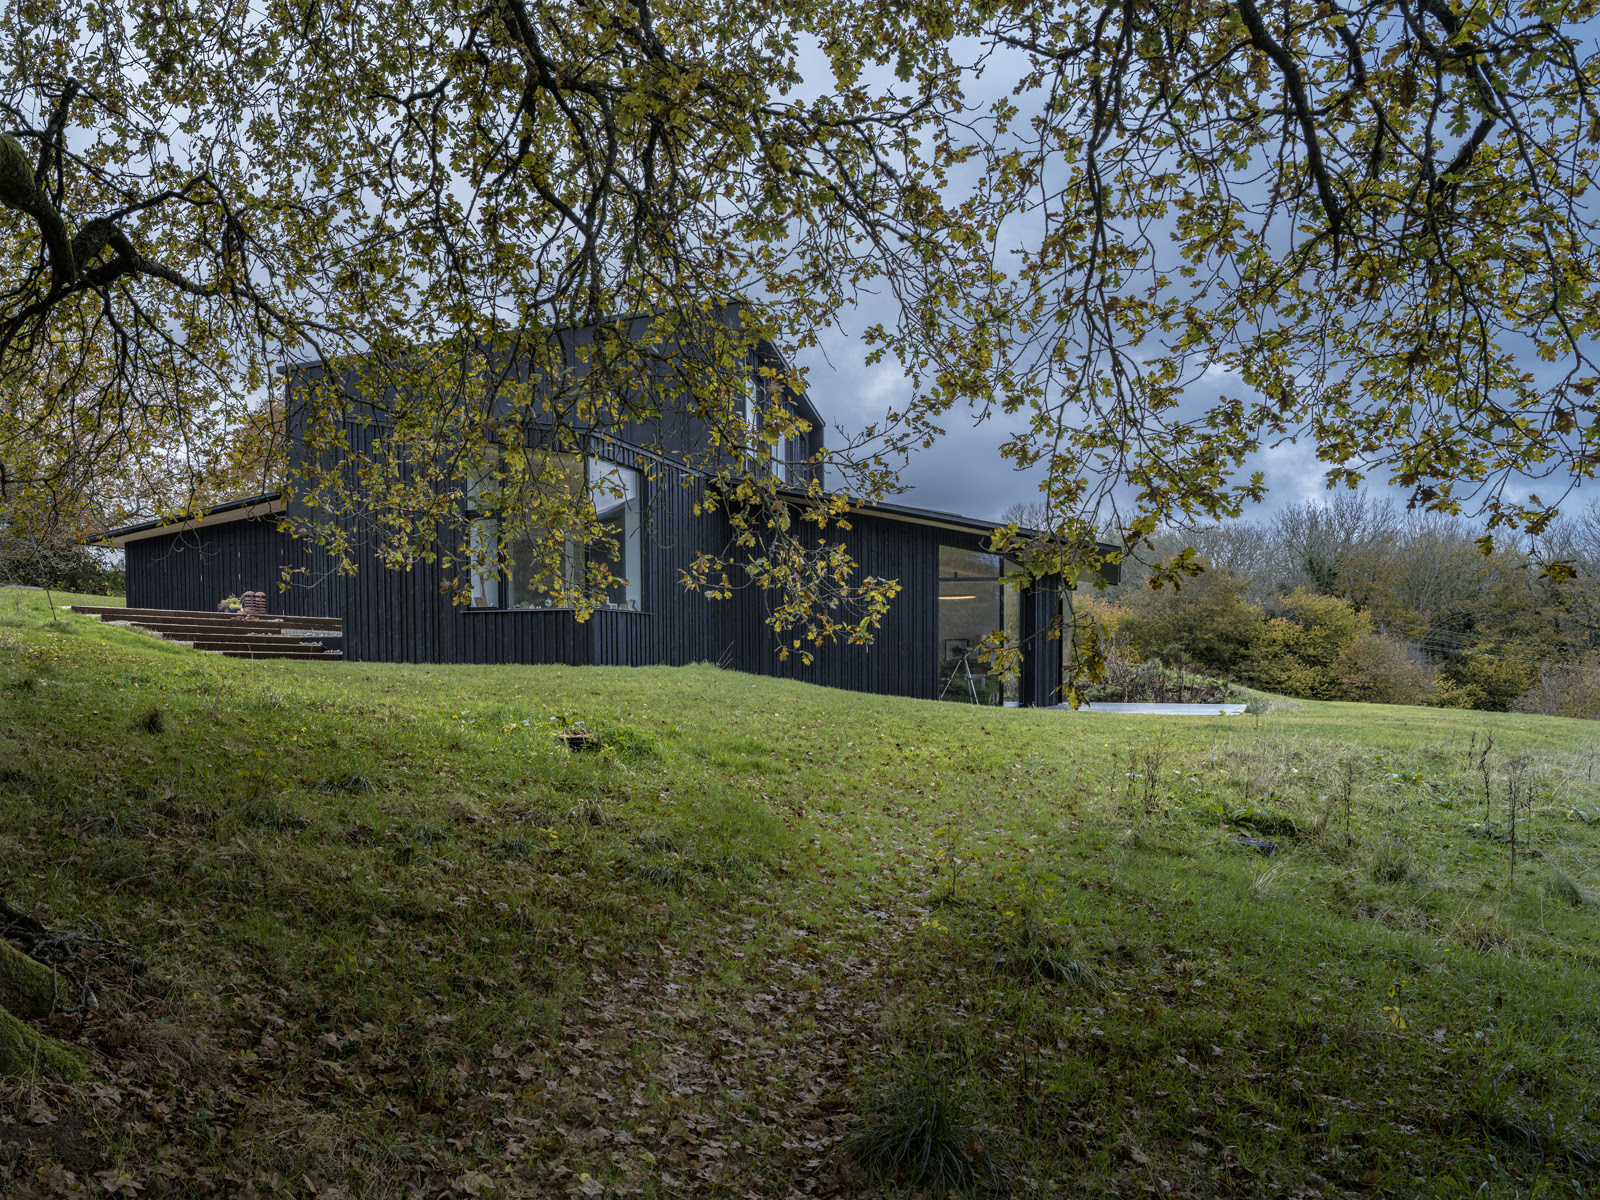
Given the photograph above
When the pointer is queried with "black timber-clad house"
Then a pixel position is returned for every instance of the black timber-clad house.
(951, 591)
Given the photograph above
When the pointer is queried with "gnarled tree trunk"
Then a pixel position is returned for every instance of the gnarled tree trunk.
(29, 989)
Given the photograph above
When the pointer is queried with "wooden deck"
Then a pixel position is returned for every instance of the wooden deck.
(233, 636)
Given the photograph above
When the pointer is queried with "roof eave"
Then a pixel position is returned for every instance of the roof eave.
(251, 508)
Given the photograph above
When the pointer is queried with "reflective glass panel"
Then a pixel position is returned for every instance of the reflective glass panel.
(544, 560)
(614, 491)
(973, 603)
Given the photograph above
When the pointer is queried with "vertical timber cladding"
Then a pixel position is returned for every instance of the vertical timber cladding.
(1041, 654)
(195, 568)
(409, 614)
(903, 657)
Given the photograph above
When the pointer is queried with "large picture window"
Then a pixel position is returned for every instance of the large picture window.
(974, 601)
(543, 562)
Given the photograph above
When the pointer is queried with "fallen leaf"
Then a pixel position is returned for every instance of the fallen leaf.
(115, 1181)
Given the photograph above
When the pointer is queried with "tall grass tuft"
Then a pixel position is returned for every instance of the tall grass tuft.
(1393, 862)
(919, 1136)
(1561, 887)
(669, 872)
(348, 785)
(591, 813)
(1044, 958)
(1541, 1139)
(266, 811)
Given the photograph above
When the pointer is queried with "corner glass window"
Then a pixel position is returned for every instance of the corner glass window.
(973, 603)
(547, 556)
(615, 493)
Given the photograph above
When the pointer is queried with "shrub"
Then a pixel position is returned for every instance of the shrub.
(1300, 648)
(1376, 670)
(1490, 684)
(1564, 692)
(1447, 693)
(1156, 684)
(58, 562)
(1205, 621)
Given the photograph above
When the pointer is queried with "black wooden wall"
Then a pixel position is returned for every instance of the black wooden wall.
(199, 567)
(410, 616)
(903, 659)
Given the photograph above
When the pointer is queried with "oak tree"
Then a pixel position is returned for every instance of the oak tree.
(1184, 231)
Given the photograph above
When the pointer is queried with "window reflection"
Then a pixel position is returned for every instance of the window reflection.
(973, 603)
(615, 493)
(549, 556)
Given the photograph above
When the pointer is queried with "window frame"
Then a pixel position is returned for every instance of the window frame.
(501, 585)
(1009, 599)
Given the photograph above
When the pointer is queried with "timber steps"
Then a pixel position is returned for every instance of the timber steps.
(232, 635)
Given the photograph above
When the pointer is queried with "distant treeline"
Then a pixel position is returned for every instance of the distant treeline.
(59, 563)
(1356, 600)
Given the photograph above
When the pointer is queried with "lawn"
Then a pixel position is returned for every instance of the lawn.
(767, 939)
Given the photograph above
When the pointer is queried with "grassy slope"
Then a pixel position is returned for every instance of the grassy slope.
(400, 939)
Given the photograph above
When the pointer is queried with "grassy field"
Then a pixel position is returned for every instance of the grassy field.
(774, 940)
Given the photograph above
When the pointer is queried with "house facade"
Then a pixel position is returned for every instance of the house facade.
(952, 591)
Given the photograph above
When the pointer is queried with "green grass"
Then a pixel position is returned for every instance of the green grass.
(401, 940)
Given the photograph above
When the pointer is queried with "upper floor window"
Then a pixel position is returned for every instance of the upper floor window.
(546, 557)
(759, 396)
(779, 450)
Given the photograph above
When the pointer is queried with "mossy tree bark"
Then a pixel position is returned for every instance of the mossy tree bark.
(27, 1054)
(29, 989)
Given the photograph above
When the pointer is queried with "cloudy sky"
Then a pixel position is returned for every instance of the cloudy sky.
(965, 473)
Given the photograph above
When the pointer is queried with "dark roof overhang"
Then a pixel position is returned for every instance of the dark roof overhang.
(252, 507)
(1110, 571)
